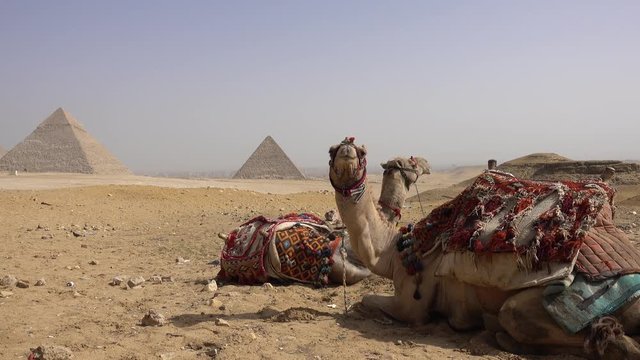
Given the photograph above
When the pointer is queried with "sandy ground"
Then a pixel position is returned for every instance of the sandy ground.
(140, 226)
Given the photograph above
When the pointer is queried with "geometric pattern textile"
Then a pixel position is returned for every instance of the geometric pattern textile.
(305, 254)
(304, 247)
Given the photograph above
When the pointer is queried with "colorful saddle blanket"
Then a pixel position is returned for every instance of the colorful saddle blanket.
(295, 247)
(539, 221)
(509, 233)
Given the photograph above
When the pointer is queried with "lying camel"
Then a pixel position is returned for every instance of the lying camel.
(268, 258)
(514, 315)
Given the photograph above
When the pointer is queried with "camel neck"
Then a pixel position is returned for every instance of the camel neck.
(370, 234)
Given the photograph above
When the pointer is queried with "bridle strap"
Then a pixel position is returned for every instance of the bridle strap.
(395, 210)
(356, 190)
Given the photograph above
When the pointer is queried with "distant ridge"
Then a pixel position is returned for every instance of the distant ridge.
(268, 161)
(61, 144)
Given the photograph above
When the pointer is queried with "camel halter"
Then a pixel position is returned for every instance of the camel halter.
(407, 184)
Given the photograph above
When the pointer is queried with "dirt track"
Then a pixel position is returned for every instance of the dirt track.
(133, 230)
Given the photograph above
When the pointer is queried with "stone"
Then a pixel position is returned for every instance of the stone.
(5, 294)
(222, 322)
(94, 262)
(77, 233)
(215, 303)
(40, 282)
(51, 352)
(180, 260)
(117, 280)
(153, 318)
(167, 279)
(23, 284)
(267, 286)
(8, 281)
(156, 279)
(212, 286)
(135, 282)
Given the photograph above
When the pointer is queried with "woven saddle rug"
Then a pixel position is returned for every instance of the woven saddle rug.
(508, 233)
(294, 247)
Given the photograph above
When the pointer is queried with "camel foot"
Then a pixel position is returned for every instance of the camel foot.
(509, 344)
(389, 306)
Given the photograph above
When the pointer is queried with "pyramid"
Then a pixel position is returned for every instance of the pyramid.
(268, 161)
(61, 144)
(2, 151)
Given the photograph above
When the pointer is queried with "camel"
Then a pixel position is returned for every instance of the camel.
(515, 319)
(399, 174)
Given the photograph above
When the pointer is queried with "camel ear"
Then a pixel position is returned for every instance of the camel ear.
(362, 151)
(385, 166)
(332, 152)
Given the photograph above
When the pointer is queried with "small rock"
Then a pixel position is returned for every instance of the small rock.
(46, 237)
(5, 294)
(117, 280)
(153, 318)
(71, 284)
(77, 233)
(135, 282)
(398, 342)
(156, 279)
(8, 281)
(634, 213)
(180, 260)
(84, 246)
(94, 262)
(167, 279)
(76, 294)
(51, 352)
(211, 286)
(23, 284)
(215, 303)
(40, 282)
(222, 322)
(267, 286)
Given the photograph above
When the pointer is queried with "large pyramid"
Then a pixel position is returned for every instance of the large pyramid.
(268, 161)
(2, 151)
(61, 144)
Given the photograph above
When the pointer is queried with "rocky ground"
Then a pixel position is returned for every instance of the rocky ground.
(96, 264)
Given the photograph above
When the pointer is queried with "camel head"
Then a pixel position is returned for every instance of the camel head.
(399, 175)
(347, 166)
(406, 170)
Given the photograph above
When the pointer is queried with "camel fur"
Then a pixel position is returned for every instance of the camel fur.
(516, 318)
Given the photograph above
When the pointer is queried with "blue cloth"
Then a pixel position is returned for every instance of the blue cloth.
(583, 301)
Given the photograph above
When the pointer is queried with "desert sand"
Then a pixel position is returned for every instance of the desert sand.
(78, 232)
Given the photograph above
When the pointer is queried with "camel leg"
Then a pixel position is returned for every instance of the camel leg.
(629, 316)
(391, 306)
(353, 273)
(528, 324)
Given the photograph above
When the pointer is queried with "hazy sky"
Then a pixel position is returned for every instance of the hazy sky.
(197, 85)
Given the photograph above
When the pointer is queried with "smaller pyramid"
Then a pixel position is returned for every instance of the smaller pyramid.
(61, 144)
(268, 161)
(2, 151)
